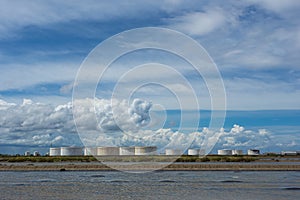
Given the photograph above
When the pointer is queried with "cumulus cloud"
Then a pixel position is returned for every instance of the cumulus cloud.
(111, 115)
(37, 123)
(31, 123)
(239, 137)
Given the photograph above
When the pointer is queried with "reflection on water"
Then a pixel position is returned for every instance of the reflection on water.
(155, 185)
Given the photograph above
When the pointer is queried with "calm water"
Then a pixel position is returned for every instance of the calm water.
(156, 185)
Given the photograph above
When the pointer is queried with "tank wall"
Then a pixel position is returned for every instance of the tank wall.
(89, 151)
(54, 152)
(237, 152)
(196, 152)
(71, 151)
(173, 152)
(253, 152)
(225, 152)
(140, 151)
(108, 151)
(127, 151)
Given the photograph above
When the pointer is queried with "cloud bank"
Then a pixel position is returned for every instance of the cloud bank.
(36, 124)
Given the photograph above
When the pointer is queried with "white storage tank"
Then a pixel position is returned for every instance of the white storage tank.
(127, 151)
(90, 151)
(173, 152)
(196, 152)
(36, 153)
(148, 150)
(54, 151)
(253, 152)
(27, 153)
(107, 151)
(237, 152)
(71, 151)
(225, 152)
(289, 153)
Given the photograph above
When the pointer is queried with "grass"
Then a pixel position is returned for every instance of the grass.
(156, 158)
(47, 159)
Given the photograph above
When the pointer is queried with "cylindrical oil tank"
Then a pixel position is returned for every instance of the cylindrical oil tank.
(173, 152)
(71, 151)
(253, 152)
(196, 152)
(107, 151)
(127, 151)
(54, 151)
(225, 152)
(90, 151)
(27, 153)
(147, 150)
(36, 153)
(237, 152)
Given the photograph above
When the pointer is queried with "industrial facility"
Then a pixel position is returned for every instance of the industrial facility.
(102, 151)
(142, 151)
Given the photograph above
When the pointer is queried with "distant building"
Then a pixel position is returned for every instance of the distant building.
(253, 152)
(36, 153)
(27, 153)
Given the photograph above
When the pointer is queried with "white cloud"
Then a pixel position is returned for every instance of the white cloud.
(261, 92)
(20, 76)
(268, 37)
(240, 138)
(15, 15)
(199, 23)
(39, 124)
(279, 6)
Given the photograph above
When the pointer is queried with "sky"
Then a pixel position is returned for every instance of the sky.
(253, 43)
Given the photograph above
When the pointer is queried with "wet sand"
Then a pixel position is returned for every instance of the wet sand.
(95, 166)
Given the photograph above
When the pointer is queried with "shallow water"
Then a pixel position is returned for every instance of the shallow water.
(155, 185)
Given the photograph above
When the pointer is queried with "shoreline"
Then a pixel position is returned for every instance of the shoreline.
(268, 166)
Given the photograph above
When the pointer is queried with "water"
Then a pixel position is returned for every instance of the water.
(157, 185)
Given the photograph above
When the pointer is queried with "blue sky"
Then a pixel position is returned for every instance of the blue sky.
(255, 45)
